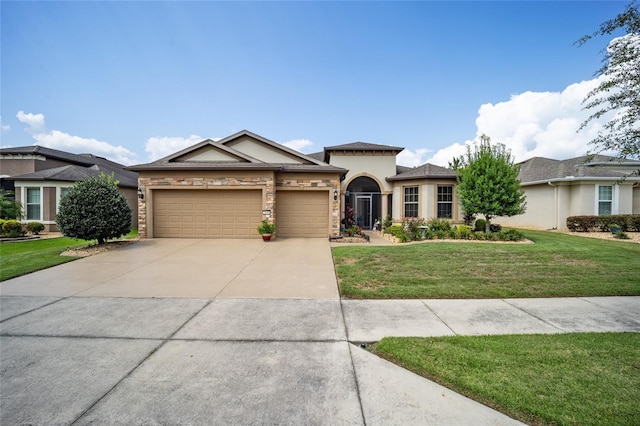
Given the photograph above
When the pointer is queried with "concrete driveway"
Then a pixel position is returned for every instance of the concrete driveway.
(240, 332)
(284, 268)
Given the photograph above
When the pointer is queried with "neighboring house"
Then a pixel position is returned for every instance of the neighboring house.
(578, 186)
(41, 176)
(224, 189)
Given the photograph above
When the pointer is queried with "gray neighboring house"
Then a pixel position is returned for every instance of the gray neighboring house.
(581, 186)
(41, 176)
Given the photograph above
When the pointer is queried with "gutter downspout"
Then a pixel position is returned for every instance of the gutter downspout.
(555, 204)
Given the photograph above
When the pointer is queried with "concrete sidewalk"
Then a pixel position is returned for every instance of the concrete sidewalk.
(88, 360)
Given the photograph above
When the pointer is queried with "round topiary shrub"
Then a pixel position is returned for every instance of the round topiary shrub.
(12, 229)
(34, 227)
(94, 209)
(481, 225)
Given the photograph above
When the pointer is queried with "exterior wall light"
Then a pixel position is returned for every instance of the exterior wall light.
(335, 195)
(140, 194)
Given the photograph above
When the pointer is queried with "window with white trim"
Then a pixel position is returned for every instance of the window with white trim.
(411, 201)
(445, 201)
(605, 199)
(33, 204)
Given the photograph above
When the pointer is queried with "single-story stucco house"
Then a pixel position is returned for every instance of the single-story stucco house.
(223, 189)
(40, 177)
(558, 189)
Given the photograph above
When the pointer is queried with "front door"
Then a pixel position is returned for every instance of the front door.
(363, 211)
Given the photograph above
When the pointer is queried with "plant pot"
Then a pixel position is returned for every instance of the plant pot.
(615, 229)
(266, 237)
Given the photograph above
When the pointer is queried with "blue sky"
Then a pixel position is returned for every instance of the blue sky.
(137, 80)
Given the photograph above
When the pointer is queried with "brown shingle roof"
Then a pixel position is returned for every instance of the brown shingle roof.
(363, 146)
(426, 171)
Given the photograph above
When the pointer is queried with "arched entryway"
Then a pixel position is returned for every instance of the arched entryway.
(364, 196)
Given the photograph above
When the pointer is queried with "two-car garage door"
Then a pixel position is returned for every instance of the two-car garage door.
(206, 213)
(237, 213)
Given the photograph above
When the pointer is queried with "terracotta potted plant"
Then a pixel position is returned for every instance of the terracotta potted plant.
(266, 229)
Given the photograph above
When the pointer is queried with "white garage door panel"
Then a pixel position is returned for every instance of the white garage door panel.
(206, 213)
(302, 214)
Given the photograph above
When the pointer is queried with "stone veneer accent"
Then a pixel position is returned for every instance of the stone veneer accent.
(299, 182)
(204, 182)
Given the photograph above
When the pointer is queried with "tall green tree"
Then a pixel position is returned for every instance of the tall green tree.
(94, 209)
(619, 89)
(488, 182)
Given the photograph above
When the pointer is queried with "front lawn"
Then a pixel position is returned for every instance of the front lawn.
(567, 379)
(557, 265)
(22, 257)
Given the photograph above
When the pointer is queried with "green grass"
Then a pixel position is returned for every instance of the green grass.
(556, 265)
(22, 257)
(563, 379)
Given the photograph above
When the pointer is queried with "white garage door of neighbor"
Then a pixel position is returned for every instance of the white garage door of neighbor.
(206, 213)
(302, 214)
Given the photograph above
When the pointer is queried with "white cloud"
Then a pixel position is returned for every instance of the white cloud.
(4, 128)
(300, 145)
(161, 146)
(57, 139)
(34, 121)
(535, 124)
(412, 158)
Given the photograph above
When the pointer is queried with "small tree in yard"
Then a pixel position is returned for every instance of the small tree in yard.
(488, 182)
(94, 209)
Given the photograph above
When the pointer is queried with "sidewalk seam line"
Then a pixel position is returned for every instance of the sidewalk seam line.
(135, 367)
(430, 309)
(534, 316)
(34, 309)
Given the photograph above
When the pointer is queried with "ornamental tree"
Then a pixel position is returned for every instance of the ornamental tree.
(619, 88)
(488, 182)
(94, 209)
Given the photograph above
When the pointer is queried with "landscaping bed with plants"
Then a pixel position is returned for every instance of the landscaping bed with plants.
(557, 265)
(568, 379)
(412, 229)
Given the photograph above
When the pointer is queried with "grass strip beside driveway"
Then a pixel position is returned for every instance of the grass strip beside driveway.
(568, 379)
(557, 265)
(22, 257)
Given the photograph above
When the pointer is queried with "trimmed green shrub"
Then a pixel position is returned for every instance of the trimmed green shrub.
(387, 222)
(621, 235)
(626, 222)
(12, 229)
(510, 235)
(439, 224)
(411, 228)
(495, 227)
(464, 232)
(94, 209)
(481, 225)
(34, 227)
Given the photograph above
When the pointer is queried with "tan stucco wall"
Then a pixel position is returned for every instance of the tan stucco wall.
(377, 166)
(549, 206)
(540, 213)
(427, 199)
(259, 150)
